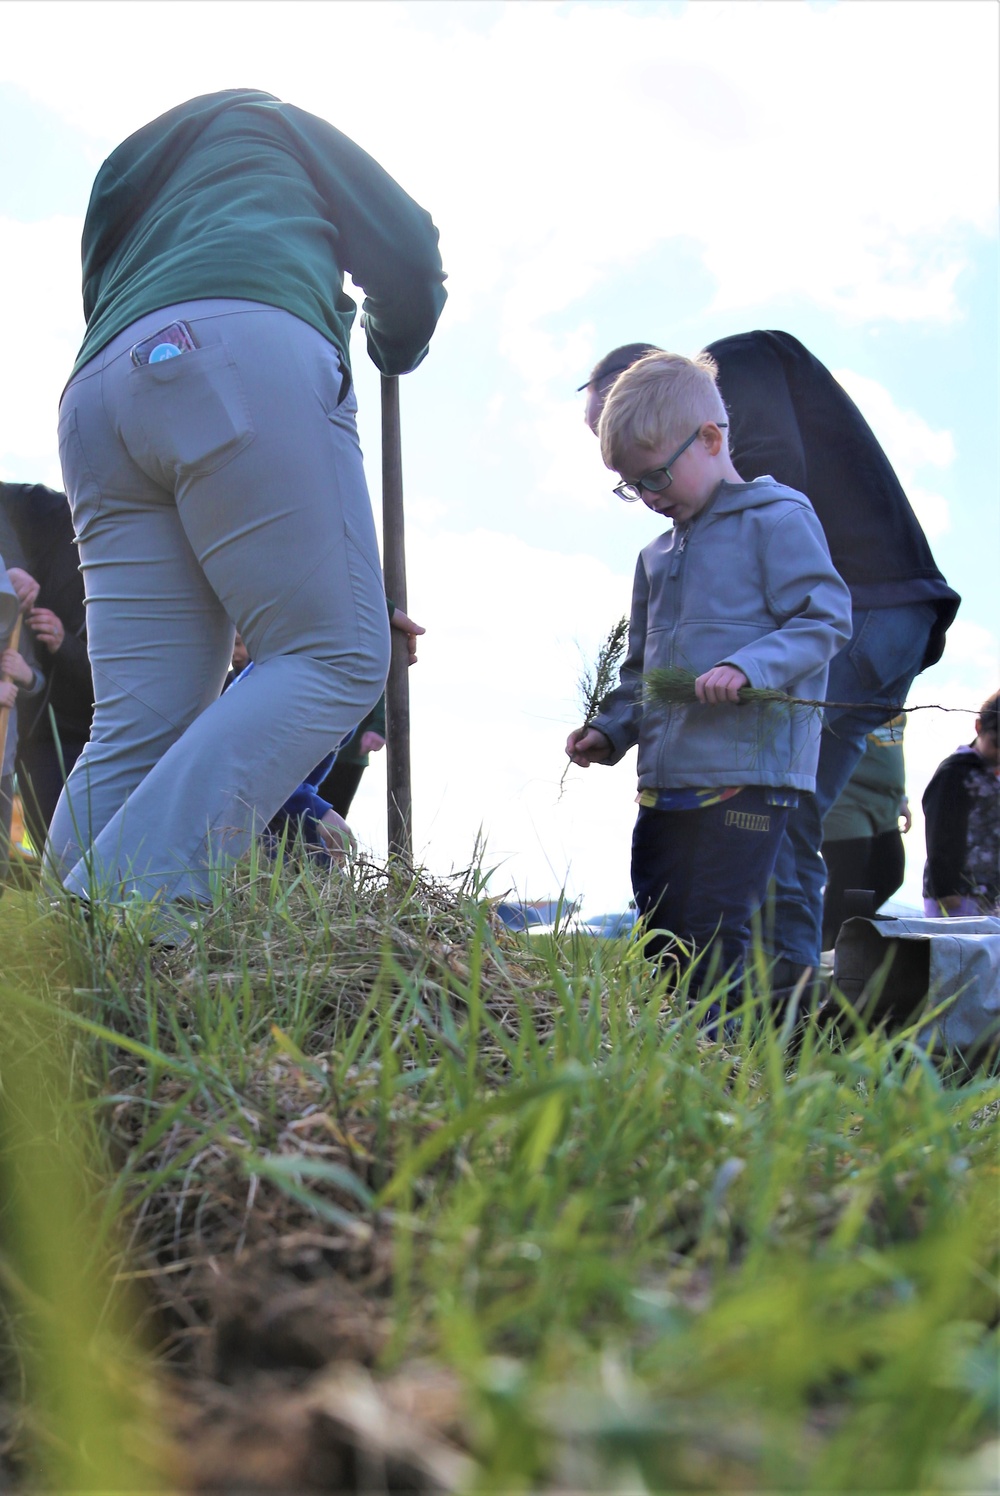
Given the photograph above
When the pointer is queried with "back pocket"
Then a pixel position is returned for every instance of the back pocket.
(191, 412)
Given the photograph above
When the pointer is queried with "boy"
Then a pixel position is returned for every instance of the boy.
(741, 590)
(962, 824)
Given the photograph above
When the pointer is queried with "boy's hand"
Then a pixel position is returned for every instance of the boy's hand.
(372, 742)
(25, 586)
(337, 836)
(720, 685)
(47, 628)
(587, 745)
(8, 694)
(13, 665)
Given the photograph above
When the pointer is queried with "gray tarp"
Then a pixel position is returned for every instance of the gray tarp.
(933, 960)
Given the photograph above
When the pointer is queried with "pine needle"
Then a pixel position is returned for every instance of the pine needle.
(598, 679)
(674, 686)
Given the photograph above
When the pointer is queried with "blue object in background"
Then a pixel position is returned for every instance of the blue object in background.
(611, 926)
(544, 913)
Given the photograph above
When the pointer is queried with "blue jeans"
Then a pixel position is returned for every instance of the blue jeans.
(702, 875)
(876, 670)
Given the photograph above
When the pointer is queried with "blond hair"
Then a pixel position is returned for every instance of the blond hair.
(659, 400)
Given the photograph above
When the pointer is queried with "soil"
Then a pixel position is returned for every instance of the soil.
(284, 1394)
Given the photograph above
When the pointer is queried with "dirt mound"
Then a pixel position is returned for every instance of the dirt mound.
(299, 1304)
(287, 1400)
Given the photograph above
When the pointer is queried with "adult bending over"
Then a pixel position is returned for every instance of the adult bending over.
(208, 443)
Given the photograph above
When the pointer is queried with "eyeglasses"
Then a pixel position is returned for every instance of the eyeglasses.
(657, 480)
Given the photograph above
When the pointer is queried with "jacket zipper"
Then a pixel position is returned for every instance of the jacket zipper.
(676, 577)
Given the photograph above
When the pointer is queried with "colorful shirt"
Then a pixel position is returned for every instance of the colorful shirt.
(692, 799)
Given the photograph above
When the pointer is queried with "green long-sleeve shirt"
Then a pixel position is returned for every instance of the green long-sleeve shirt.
(236, 194)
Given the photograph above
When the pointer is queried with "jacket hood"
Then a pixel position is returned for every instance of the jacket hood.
(731, 498)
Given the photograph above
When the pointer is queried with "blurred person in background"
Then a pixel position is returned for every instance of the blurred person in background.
(862, 839)
(962, 824)
(18, 678)
(36, 535)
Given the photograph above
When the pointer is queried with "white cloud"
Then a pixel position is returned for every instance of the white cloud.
(42, 330)
(973, 653)
(836, 153)
(909, 442)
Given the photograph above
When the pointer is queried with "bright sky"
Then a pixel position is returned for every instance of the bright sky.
(600, 173)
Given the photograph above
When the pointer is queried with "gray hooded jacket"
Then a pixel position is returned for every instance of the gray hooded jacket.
(749, 582)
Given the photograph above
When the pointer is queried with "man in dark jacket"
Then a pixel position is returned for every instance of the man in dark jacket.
(790, 419)
(36, 533)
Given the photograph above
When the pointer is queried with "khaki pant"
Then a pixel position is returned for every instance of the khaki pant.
(221, 486)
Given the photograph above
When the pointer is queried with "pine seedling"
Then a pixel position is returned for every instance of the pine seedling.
(598, 679)
(674, 686)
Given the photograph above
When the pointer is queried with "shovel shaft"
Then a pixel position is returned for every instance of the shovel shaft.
(397, 692)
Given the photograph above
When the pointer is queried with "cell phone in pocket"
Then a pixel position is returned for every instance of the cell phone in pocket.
(167, 343)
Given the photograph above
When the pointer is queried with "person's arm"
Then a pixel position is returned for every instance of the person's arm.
(371, 734)
(337, 837)
(806, 596)
(320, 823)
(386, 240)
(21, 672)
(303, 801)
(946, 830)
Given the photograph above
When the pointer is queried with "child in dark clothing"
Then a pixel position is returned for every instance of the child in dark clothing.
(962, 824)
(318, 807)
(341, 783)
(325, 833)
(862, 839)
(17, 678)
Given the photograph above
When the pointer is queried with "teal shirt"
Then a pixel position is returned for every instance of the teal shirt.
(236, 194)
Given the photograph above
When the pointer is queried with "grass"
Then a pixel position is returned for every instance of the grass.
(601, 1251)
